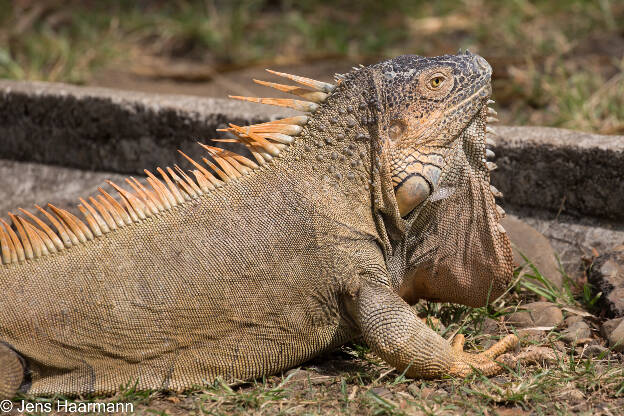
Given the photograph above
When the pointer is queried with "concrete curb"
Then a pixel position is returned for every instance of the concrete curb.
(104, 129)
(561, 171)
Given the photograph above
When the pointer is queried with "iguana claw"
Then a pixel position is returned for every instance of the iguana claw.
(483, 362)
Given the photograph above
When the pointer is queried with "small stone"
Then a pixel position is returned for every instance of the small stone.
(340, 136)
(328, 140)
(572, 319)
(318, 379)
(485, 344)
(594, 350)
(557, 345)
(350, 176)
(332, 169)
(536, 314)
(576, 332)
(573, 395)
(338, 176)
(440, 393)
(297, 374)
(609, 326)
(616, 338)
(607, 276)
(382, 392)
(530, 242)
(425, 392)
(319, 157)
(414, 389)
(490, 326)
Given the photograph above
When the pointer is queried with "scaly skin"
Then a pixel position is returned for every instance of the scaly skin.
(383, 198)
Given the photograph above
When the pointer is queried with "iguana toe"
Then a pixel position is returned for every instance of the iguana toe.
(483, 362)
(11, 372)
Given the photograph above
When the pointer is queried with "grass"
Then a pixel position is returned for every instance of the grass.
(586, 386)
(557, 63)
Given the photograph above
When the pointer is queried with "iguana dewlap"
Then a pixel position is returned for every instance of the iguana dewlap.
(377, 197)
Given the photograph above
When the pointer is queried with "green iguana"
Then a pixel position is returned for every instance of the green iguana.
(378, 197)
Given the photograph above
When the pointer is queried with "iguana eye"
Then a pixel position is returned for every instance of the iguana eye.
(436, 81)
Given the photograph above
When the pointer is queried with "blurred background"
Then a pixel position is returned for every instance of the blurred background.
(556, 63)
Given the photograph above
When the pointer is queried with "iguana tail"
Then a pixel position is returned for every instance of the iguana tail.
(11, 372)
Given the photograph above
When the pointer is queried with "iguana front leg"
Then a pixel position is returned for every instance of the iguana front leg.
(394, 331)
(11, 372)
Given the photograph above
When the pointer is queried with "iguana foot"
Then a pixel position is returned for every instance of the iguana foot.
(11, 372)
(483, 362)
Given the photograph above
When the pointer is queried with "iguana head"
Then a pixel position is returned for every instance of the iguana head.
(433, 145)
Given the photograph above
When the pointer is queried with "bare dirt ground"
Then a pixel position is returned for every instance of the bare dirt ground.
(169, 77)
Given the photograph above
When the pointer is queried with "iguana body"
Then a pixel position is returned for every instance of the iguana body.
(382, 193)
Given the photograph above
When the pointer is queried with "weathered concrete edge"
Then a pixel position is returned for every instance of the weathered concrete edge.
(560, 170)
(112, 130)
(122, 131)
